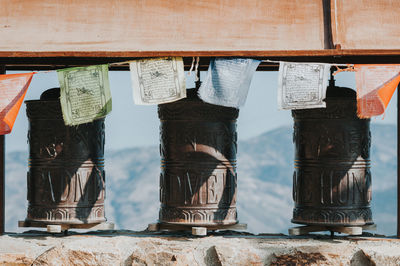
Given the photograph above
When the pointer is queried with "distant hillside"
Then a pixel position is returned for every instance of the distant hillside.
(265, 167)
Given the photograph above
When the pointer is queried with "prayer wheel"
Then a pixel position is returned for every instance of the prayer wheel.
(198, 143)
(66, 178)
(332, 178)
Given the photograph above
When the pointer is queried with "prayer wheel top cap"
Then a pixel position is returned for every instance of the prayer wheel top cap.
(340, 92)
(51, 94)
(198, 109)
(341, 102)
(47, 107)
(191, 95)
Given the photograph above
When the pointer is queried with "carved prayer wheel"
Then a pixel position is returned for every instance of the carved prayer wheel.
(332, 178)
(198, 162)
(66, 178)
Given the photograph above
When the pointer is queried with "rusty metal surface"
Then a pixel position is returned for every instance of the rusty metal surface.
(332, 178)
(198, 147)
(66, 178)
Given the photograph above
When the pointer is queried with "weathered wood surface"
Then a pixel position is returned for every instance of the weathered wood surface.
(366, 24)
(69, 26)
(135, 28)
(253, 28)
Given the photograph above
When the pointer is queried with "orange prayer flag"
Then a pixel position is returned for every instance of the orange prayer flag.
(375, 87)
(13, 88)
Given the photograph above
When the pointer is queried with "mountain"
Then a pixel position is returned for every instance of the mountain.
(265, 167)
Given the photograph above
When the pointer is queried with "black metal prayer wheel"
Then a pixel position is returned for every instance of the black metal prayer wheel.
(332, 178)
(198, 143)
(66, 178)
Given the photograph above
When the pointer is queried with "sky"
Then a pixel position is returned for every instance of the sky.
(130, 125)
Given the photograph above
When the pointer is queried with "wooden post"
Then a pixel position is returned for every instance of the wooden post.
(398, 162)
(2, 172)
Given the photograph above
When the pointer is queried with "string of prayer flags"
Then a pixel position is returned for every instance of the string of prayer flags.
(228, 81)
(13, 88)
(375, 87)
(84, 94)
(302, 85)
(158, 80)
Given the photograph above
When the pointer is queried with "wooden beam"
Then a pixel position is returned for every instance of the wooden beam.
(366, 24)
(249, 28)
(2, 173)
(210, 53)
(52, 63)
(69, 26)
(398, 162)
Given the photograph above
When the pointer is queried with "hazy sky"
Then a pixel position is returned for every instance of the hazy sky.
(130, 125)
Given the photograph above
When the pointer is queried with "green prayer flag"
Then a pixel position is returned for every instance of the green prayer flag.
(85, 93)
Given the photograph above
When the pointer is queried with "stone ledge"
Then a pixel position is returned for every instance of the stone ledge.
(143, 248)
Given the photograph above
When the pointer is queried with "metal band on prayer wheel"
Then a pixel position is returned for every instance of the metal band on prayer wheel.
(198, 162)
(66, 178)
(332, 178)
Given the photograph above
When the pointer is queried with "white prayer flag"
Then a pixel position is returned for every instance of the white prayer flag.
(158, 80)
(302, 85)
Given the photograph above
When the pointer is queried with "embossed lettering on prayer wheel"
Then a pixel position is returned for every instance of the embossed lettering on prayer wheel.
(66, 178)
(332, 178)
(198, 162)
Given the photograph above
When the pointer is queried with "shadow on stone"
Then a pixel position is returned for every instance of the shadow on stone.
(299, 258)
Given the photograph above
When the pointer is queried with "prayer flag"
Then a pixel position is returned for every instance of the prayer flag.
(158, 80)
(13, 88)
(375, 87)
(84, 94)
(228, 81)
(302, 85)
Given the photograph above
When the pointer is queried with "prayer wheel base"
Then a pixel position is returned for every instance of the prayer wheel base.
(350, 230)
(198, 217)
(332, 217)
(66, 215)
(71, 222)
(157, 227)
(58, 228)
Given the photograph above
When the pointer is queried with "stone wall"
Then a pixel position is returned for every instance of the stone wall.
(142, 248)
